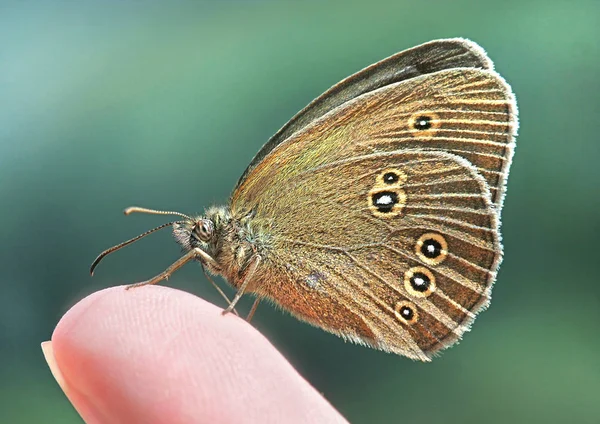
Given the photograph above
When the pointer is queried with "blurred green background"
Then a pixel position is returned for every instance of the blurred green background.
(105, 104)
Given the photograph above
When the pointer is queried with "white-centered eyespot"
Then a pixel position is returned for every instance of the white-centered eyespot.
(424, 124)
(391, 177)
(432, 248)
(419, 281)
(386, 203)
(406, 312)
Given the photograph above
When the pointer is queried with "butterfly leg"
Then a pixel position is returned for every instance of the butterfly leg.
(223, 295)
(242, 288)
(252, 310)
(191, 255)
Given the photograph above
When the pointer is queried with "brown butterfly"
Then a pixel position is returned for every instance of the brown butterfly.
(375, 212)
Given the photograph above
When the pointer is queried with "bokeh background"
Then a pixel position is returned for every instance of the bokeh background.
(105, 104)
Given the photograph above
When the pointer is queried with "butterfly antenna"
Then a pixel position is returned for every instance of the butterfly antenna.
(128, 242)
(134, 209)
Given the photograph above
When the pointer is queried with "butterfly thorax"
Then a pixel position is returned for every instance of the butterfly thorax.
(233, 242)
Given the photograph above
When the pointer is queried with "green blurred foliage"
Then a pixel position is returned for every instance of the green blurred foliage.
(104, 104)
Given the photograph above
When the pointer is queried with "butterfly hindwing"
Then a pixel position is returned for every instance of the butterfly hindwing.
(359, 249)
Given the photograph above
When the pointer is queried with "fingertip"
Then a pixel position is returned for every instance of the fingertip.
(155, 354)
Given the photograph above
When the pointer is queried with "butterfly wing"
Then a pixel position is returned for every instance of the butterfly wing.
(420, 60)
(396, 250)
(383, 212)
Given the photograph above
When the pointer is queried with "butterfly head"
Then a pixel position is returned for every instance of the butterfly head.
(201, 232)
(197, 232)
(194, 232)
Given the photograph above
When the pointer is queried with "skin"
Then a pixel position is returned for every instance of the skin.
(160, 355)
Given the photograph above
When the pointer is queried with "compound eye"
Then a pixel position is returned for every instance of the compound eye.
(204, 229)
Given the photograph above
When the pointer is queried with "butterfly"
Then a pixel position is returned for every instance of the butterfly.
(374, 213)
